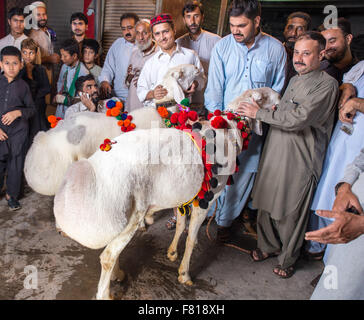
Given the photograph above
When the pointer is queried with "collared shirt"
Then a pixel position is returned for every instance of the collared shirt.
(116, 66)
(61, 109)
(234, 68)
(203, 46)
(155, 68)
(9, 40)
(136, 63)
(15, 95)
(300, 130)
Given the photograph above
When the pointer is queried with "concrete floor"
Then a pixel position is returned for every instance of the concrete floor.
(66, 270)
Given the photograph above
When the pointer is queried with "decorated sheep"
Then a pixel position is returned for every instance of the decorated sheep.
(103, 200)
(73, 139)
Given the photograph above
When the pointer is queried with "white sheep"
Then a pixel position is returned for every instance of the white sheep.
(102, 203)
(103, 200)
(265, 98)
(73, 139)
(177, 80)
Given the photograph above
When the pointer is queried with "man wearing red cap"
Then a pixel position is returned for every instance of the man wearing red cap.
(168, 55)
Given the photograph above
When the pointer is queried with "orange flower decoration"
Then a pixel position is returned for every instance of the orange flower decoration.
(115, 112)
(108, 112)
(119, 105)
(163, 112)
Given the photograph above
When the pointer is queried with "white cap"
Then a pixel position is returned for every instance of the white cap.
(38, 4)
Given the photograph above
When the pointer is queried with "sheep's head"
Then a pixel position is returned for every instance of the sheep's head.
(264, 97)
(185, 74)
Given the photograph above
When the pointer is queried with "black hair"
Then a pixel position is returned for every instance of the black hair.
(71, 46)
(249, 8)
(91, 44)
(16, 11)
(81, 80)
(191, 6)
(314, 35)
(129, 15)
(10, 51)
(343, 24)
(79, 16)
(303, 15)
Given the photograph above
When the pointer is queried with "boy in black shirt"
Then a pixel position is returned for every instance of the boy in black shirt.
(16, 107)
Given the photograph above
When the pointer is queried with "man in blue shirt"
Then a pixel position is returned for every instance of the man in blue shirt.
(245, 59)
(117, 59)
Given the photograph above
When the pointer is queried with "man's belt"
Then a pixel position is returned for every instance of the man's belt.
(166, 104)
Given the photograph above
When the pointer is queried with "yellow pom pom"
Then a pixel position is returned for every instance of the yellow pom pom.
(196, 203)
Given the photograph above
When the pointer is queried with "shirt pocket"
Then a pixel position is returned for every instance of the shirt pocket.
(261, 73)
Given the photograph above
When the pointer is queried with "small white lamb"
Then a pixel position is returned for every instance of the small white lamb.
(265, 97)
(177, 80)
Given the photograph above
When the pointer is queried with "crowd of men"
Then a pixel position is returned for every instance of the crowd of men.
(308, 160)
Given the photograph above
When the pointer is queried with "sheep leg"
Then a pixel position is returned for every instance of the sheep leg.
(197, 218)
(109, 258)
(180, 227)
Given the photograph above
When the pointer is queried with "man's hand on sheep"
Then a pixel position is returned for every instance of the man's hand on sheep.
(191, 90)
(159, 92)
(247, 109)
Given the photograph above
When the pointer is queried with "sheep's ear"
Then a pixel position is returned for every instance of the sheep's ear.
(257, 96)
(176, 74)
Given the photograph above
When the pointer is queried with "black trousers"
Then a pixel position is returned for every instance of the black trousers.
(12, 165)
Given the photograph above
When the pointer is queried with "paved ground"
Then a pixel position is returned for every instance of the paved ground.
(66, 270)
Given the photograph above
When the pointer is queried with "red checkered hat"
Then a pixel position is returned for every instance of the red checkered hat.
(161, 18)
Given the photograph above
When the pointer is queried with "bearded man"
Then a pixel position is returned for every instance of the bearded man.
(197, 39)
(145, 49)
(339, 58)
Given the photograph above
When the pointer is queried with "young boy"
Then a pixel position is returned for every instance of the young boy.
(90, 52)
(36, 77)
(71, 70)
(16, 107)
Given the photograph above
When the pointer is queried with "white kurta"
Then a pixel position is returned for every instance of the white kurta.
(156, 67)
(9, 40)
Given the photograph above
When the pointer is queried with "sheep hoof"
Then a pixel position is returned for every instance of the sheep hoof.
(172, 256)
(149, 220)
(118, 276)
(186, 280)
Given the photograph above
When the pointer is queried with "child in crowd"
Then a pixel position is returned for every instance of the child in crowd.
(90, 54)
(16, 108)
(36, 77)
(71, 70)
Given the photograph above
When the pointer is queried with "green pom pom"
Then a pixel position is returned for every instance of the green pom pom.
(185, 102)
(119, 117)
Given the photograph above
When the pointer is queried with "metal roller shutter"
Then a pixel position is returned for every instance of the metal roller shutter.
(113, 11)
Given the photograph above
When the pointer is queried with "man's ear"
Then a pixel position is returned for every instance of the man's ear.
(9, 22)
(348, 39)
(257, 21)
(322, 54)
(1, 65)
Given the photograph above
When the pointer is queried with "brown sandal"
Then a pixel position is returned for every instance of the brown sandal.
(260, 255)
(289, 271)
